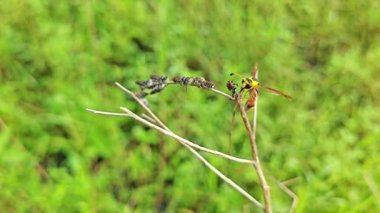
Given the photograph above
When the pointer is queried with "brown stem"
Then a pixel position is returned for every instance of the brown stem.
(255, 156)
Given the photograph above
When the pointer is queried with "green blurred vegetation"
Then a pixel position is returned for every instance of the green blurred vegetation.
(59, 57)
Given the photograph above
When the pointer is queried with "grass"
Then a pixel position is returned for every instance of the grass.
(58, 58)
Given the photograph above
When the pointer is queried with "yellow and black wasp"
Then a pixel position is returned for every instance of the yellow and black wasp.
(252, 85)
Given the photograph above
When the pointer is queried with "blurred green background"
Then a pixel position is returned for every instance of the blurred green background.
(59, 57)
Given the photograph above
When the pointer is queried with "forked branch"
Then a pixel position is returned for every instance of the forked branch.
(171, 134)
(188, 144)
(252, 138)
(156, 84)
(255, 155)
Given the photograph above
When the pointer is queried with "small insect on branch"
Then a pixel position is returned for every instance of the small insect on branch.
(157, 83)
(251, 86)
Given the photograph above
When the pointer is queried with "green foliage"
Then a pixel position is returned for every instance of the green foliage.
(58, 58)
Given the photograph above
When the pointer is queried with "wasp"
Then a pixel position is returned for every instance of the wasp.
(252, 85)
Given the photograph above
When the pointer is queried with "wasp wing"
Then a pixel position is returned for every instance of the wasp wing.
(276, 91)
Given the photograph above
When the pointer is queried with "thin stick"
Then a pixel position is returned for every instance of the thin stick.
(222, 93)
(183, 140)
(265, 186)
(226, 179)
(154, 117)
(291, 181)
(142, 105)
(254, 120)
(106, 113)
(291, 194)
(200, 157)
(214, 90)
(221, 175)
(173, 135)
(146, 117)
(255, 156)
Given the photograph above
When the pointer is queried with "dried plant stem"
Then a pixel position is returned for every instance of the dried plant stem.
(214, 90)
(167, 130)
(173, 135)
(223, 94)
(154, 122)
(255, 156)
(200, 157)
(291, 194)
(130, 93)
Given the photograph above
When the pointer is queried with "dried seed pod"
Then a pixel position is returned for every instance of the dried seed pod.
(208, 84)
(145, 84)
(159, 79)
(199, 82)
(157, 88)
(152, 82)
(155, 84)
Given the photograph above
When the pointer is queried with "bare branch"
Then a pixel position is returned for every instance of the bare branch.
(255, 156)
(226, 179)
(162, 128)
(291, 181)
(254, 120)
(200, 157)
(223, 177)
(106, 113)
(183, 140)
(148, 118)
(142, 105)
(173, 135)
(291, 194)
(222, 93)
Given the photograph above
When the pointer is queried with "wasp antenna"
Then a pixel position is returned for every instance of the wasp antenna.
(232, 74)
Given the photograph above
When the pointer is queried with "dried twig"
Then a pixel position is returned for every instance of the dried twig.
(173, 135)
(223, 177)
(252, 139)
(222, 93)
(255, 156)
(200, 157)
(162, 128)
(142, 105)
(156, 84)
(285, 188)
(153, 121)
